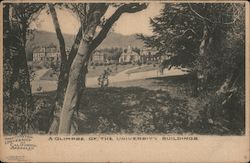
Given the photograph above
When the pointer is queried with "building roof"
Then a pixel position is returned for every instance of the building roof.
(45, 49)
(130, 53)
(51, 50)
(97, 53)
(39, 50)
(146, 51)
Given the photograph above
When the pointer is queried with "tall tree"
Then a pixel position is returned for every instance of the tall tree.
(91, 16)
(17, 18)
(209, 40)
(65, 65)
(193, 35)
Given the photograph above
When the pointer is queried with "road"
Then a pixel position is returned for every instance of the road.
(45, 84)
(123, 76)
(93, 82)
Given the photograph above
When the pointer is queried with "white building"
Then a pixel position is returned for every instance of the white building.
(129, 55)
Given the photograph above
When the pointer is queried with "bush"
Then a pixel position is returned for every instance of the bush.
(103, 80)
(220, 115)
(139, 63)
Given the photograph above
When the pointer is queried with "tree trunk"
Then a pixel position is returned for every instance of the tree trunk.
(62, 85)
(203, 52)
(78, 69)
(7, 66)
(74, 88)
(54, 115)
(20, 88)
(64, 70)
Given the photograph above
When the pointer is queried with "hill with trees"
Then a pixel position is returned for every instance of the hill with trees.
(113, 40)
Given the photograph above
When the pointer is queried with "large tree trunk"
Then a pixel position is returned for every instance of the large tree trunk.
(74, 88)
(78, 69)
(64, 70)
(19, 83)
(63, 67)
(7, 66)
(199, 76)
(54, 115)
(20, 94)
(62, 85)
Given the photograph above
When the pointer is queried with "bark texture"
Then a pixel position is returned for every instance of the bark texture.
(74, 88)
(62, 84)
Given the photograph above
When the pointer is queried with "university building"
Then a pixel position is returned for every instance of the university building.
(129, 56)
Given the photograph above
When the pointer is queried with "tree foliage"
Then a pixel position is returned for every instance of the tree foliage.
(209, 40)
(200, 37)
(18, 103)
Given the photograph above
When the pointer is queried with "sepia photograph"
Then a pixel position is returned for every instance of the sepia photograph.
(114, 68)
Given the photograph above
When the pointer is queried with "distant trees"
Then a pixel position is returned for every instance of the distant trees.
(112, 53)
(137, 50)
(18, 104)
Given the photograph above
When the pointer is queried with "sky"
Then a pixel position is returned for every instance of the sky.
(127, 24)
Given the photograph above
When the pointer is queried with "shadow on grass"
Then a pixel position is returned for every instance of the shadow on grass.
(131, 110)
(153, 106)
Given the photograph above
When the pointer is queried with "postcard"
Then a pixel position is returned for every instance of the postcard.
(124, 81)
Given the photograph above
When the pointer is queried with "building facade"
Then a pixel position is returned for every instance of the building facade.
(148, 54)
(46, 55)
(129, 55)
(98, 57)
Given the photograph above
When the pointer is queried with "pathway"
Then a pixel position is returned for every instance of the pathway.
(119, 77)
(45, 84)
(123, 76)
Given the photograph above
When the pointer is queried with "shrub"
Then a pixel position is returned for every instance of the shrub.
(220, 115)
(103, 80)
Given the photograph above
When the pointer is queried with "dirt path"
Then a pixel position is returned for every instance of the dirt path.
(40, 73)
(123, 76)
(93, 82)
(45, 84)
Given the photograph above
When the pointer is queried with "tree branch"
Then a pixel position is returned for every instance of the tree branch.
(58, 33)
(126, 8)
(197, 14)
(183, 33)
(75, 47)
(79, 35)
(210, 21)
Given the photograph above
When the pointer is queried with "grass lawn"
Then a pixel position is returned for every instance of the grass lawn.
(92, 71)
(144, 68)
(50, 75)
(98, 70)
(153, 106)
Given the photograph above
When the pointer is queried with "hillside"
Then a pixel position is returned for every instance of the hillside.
(122, 41)
(42, 38)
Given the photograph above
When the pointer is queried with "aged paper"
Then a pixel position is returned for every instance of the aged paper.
(125, 98)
